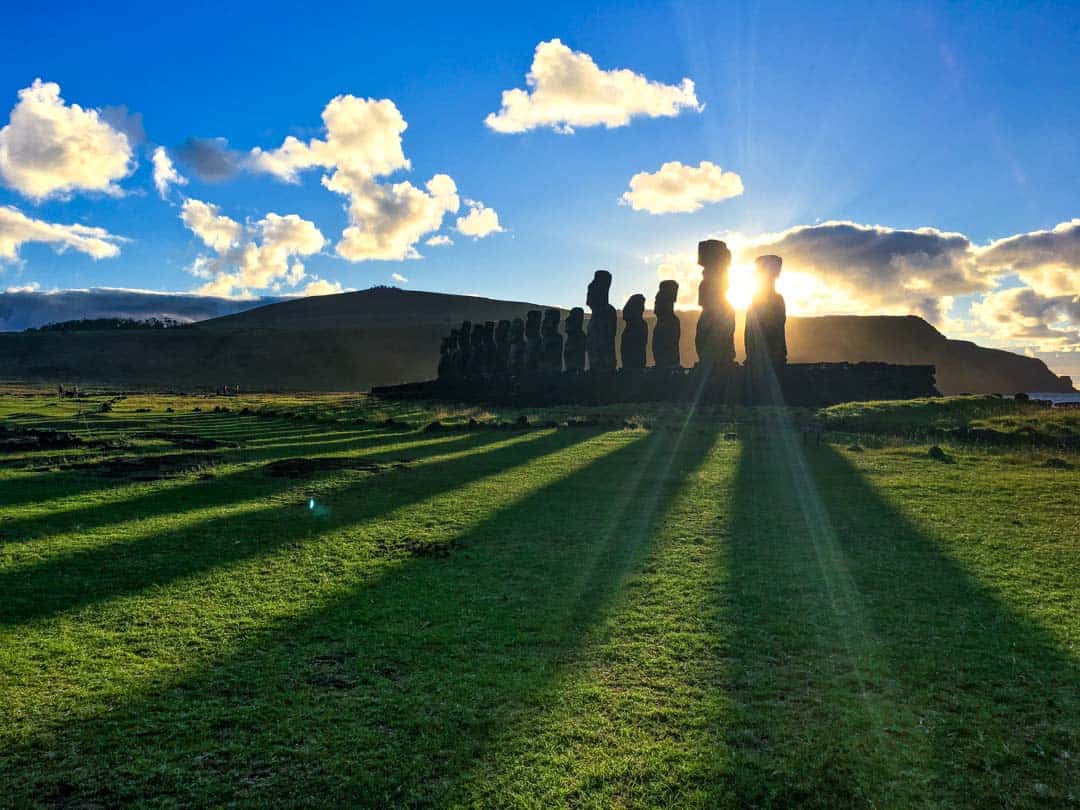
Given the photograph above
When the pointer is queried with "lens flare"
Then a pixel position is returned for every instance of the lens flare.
(741, 285)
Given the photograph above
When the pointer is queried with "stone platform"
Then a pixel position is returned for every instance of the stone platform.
(802, 384)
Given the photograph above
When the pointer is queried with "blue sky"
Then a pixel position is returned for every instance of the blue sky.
(960, 117)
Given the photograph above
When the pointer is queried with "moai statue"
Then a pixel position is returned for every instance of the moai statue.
(454, 363)
(445, 358)
(502, 347)
(715, 338)
(667, 332)
(766, 318)
(532, 340)
(635, 336)
(476, 352)
(603, 323)
(574, 348)
(490, 349)
(464, 347)
(551, 341)
(518, 348)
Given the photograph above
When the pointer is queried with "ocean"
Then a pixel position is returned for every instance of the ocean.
(1057, 399)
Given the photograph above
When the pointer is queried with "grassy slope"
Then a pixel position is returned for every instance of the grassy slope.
(579, 616)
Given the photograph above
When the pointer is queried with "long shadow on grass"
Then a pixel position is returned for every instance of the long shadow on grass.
(91, 575)
(220, 489)
(31, 488)
(386, 695)
(867, 666)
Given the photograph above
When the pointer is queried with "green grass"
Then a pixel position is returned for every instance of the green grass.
(705, 613)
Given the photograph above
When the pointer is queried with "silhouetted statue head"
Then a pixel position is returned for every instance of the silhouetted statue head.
(465, 333)
(532, 324)
(502, 331)
(599, 288)
(575, 321)
(668, 332)
(766, 319)
(666, 296)
(715, 335)
(574, 348)
(767, 271)
(517, 330)
(712, 254)
(635, 336)
(634, 308)
(550, 325)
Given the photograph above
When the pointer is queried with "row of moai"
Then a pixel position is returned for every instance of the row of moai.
(535, 344)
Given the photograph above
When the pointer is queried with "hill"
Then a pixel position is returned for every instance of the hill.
(385, 335)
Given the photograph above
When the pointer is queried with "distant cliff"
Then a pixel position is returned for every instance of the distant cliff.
(384, 336)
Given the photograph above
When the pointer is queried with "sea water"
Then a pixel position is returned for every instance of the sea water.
(1058, 399)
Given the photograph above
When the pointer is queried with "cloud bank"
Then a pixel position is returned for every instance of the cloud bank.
(568, 89)
(677, 188)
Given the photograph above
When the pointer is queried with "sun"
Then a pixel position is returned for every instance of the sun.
(741, 285)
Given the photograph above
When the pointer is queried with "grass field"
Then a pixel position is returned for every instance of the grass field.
(323, 601)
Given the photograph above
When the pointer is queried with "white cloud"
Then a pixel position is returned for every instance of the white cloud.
(677, 188)
(362, 144)
(400, 279)
(216, 230)
(32, 287)
(16, 229)
(438, 240)
(481, 221)
(260, 256)
(51, 149)
(567, 89)
(321, 286)
(1049, 261)
(862, 268)
(388, 220)
(1023, 314)
(165, 173)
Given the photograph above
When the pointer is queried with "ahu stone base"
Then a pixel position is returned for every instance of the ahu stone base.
(802, 384)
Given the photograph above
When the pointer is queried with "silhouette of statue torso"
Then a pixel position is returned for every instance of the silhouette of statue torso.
(517, 347)
(635, 336)
(502, 347)
(464, 345)
(551, 345)
(603, 323)
(766, 318)
(715, 338)
(532, 340)
(574, 348)
(668, 331)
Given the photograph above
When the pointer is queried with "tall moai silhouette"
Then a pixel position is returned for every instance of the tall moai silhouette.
(715, 338)
(635, 336)
(446, 357)
(517, 347)
(502, 347)
(551, 341)
(603, 323)
(475, 366)
(490, 349)
(766, 318)
(574, 347)
(464, 347)
(532, 340)
(667, 332)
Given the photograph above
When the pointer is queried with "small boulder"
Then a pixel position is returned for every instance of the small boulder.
(937, 454)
